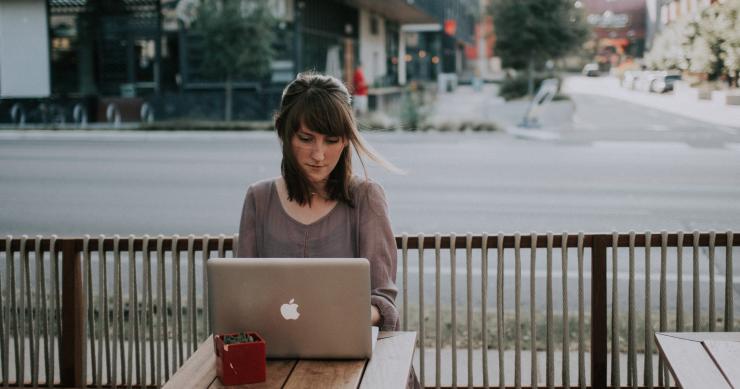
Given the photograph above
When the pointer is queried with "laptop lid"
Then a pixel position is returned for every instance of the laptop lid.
(302, 307)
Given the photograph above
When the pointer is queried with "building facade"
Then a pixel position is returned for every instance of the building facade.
(94, 53)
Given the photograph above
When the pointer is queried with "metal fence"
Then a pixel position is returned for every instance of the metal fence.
(107, 311)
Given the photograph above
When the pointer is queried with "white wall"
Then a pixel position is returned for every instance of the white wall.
(372, 47)
(24, 49)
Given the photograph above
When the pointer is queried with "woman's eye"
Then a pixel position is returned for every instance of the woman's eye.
(332, 140)
(304, 139)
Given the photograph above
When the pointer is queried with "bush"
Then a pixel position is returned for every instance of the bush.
(514, 88)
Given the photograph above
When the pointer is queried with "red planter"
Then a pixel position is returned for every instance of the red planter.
(240, 363)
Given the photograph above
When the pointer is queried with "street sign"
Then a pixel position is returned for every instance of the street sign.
(544, 96)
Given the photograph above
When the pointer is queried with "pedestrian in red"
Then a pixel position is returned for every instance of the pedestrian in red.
(360, 91)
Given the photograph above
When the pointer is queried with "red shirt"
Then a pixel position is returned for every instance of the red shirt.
(359, 82)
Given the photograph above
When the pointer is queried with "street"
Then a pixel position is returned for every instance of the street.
(611, 170)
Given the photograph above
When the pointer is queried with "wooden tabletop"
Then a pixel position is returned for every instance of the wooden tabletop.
(702, 359)
(388, 368)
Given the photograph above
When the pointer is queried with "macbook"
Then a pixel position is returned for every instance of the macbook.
(308, 308)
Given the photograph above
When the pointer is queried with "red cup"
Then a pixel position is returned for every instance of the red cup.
(240, 363)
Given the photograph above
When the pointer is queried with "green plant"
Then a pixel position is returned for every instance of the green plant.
(241, 337)
(514, 88)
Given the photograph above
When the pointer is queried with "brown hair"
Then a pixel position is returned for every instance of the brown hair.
(323, 104)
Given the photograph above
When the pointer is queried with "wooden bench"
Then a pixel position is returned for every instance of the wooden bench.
(388, 368)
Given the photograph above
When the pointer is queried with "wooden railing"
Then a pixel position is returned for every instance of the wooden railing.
(81, 327)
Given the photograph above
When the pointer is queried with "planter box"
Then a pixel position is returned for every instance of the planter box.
(240, 363)
(732, 98)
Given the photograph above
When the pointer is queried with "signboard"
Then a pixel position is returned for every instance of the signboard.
(450, 27)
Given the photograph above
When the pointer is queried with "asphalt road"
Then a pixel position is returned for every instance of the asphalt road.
(619, 167)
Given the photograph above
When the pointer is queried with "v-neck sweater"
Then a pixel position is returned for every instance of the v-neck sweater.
(267, 231)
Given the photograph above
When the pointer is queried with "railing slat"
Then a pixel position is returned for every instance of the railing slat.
(533, 309)
(500, 307)
(550, 362)
(24, 291)
(117, 313)
(484, 308)
(581, 318)
(517, 309)
(103, 309)
(679, 283)
(5, 315)
(162, 353)
(437, 313)
(205, 324)
(56, 304)
(453, 304)
(192, 324)
(648, 369)
(696, 298)
(712, 296)
(631, 341)
(729, 292)
(663, 377)
(90, 310)
(469, 301)
(421, 310)
(147, 329)
(566, 324)
(615, 312)
(405, 275)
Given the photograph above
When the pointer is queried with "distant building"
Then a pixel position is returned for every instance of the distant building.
(94, 53)
(619, 28)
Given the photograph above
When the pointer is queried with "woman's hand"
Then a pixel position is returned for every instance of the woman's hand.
(374, 315)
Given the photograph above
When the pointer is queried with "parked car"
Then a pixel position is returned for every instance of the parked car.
(663, 81)
(591, 70)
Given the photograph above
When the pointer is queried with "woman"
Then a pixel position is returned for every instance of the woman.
(317, 208)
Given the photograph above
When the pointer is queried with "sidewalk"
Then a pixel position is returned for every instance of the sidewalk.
(467, 105)
(703, 110)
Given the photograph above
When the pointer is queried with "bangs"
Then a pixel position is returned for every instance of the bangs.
(321, 113)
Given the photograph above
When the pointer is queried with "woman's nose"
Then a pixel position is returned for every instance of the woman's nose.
(318, 152)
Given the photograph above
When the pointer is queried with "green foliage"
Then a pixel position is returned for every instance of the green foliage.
(237, 38)
(537, 30)
(241, 337)
(708, 43)
(514, 88)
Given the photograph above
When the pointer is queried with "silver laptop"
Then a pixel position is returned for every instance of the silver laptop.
(303, 307)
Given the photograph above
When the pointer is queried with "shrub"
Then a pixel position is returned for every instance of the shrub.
(514, 88)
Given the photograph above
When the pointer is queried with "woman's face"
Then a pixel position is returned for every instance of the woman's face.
(317, 154)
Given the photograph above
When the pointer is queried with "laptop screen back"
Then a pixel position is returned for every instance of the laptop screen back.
(302, 307)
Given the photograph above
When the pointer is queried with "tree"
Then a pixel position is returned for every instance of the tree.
(707, 43)
(237, 41)
(530, 32)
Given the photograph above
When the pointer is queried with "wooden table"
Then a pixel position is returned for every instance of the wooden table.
(388, 368)
(702, 359)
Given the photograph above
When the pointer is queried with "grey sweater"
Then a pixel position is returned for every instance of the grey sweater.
(267, 231)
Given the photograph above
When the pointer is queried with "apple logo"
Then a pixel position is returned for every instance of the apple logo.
(290, 310)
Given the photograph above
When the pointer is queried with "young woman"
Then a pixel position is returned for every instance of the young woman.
(317, 207)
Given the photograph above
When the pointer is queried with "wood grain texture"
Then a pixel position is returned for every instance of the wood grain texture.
(198, 371)
(389, 368)
(326, 374)
(704, 336)
(691, 365)
(727, 356)
(391, 362)
(277, 373)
